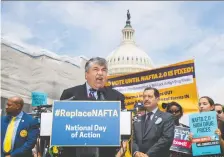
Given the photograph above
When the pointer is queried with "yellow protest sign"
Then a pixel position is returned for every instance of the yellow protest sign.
(176, 82)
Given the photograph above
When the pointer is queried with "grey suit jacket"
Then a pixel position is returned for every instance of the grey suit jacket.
(158, 138)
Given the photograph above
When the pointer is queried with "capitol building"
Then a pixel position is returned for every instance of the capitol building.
(128, 57)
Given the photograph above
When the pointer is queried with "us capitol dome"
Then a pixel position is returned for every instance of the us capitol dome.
(128, 57)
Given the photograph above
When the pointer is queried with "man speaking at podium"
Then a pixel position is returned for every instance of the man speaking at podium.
(94, 89)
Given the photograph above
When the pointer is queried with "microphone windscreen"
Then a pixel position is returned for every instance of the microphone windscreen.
(164, 105)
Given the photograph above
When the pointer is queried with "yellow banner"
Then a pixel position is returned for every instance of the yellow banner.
(176, 82)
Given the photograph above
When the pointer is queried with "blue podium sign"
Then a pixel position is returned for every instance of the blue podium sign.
(205, 141)
(86, 123)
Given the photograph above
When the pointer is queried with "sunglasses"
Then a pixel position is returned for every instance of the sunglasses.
(219, 111)
(174, 112)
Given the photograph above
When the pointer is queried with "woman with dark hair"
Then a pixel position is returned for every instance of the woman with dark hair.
(177, 111)
(206, 104)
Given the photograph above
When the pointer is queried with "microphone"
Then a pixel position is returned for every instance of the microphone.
(46, 106)
(101, 92)
(128, 110)
(164, 105)
(71, 98)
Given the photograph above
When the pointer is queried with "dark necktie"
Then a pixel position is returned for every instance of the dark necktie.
(147, 120)
(100, 95)
(91, 93)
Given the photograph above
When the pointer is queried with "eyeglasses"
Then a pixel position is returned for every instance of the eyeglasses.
(219, 111)
(174, 112)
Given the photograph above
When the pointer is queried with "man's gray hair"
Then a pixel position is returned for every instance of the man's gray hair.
(97, 60)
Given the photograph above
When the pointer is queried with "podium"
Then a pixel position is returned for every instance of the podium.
(111, 125)
(125, 124)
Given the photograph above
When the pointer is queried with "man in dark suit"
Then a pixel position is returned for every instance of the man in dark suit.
(19, 131)
(153, 132)
(94, 89)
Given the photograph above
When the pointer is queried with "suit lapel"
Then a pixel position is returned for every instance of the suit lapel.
(152, 122)
(82, 93)
(142, 125)
(139, 124)
(85, 91)
(20, 125)
(108, 93)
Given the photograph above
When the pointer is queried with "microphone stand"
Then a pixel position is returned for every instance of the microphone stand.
(42, 144)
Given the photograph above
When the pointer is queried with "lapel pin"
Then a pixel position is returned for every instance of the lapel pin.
(159, 120)
(22, 120)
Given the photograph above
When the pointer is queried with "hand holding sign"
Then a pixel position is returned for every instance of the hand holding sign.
(190, 137)
(205, 141)
(218, 132)
(181, 142)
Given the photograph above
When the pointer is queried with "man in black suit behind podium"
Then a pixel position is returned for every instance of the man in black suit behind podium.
(94, 89)
(154, 131)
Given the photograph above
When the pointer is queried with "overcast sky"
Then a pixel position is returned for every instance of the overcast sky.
(167, 31)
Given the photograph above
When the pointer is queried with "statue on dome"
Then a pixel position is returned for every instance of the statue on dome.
(128, 16)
